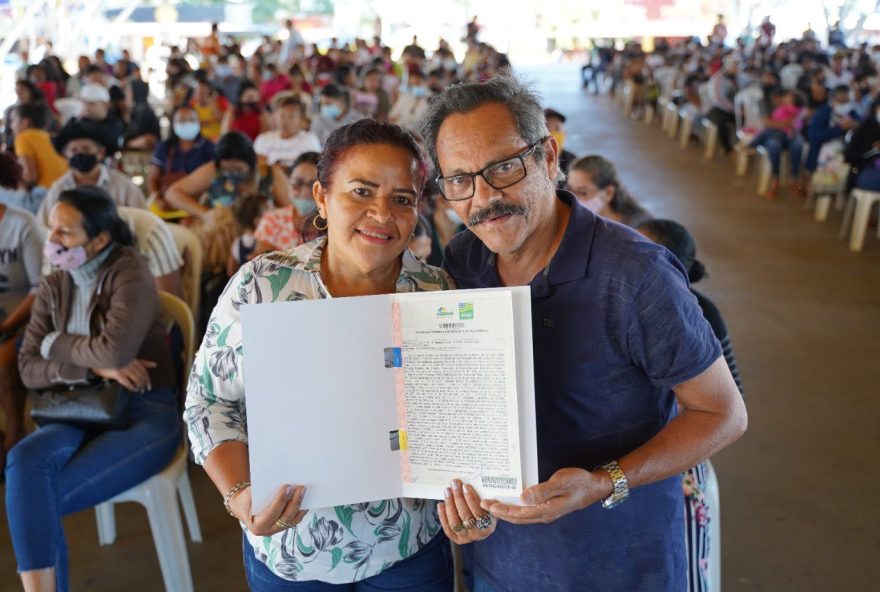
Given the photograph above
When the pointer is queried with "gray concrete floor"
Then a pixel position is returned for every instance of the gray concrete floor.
(799, 491)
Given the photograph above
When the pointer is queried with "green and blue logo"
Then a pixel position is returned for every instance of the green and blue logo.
(465, 310)
(442, 312)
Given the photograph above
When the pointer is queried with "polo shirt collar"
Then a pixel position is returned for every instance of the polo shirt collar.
(572, 257)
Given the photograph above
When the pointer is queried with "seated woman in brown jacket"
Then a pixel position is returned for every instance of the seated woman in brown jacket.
(96, 317)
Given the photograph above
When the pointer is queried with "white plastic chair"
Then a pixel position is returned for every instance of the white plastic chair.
(673, 116)
(713, 500)
(159, 493)
(857, 216)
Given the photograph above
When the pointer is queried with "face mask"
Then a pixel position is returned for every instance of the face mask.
(560, 138)
(188, 130)
(331, 111)
(418, 91)
(223, 71)
(595, 204)
(450, 65)
(64, 258)
(304, 206)
(83, 162)
(235, 178)
(267, 76)
(453, 216)
(843, 110)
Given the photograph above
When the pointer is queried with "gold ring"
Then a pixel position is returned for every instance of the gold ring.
(282, 524)
(470, 523)
(457, 528)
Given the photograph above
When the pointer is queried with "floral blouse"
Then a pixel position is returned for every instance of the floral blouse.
(335, 545)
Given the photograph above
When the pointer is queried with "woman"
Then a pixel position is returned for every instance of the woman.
(183, 152)
(698, 513)
(370, 177)
(248, 116)
(595, 183)
(207, 192)
(372, 100)
(863, 152)
(96, 317)
(280, 229)
(20, 260)
(27, 93)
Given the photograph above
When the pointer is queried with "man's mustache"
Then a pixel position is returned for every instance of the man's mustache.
(496, 210)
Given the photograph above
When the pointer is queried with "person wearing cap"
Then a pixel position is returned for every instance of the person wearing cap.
(556, 125)
(96, 112)
(84, 145)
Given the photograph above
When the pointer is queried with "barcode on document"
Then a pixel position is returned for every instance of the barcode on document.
(499, 482)
(452, 325)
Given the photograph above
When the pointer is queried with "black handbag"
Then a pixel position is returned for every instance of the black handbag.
(99, 406)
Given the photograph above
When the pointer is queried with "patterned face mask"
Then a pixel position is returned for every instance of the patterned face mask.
(63, 257)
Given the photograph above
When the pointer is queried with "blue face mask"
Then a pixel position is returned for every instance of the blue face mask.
(187, 130)
(418, 91)
(331, 111)
(304, 206)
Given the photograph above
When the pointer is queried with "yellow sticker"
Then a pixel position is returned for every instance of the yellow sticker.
(404, 444)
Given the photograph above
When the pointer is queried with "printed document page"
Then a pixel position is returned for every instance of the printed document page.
(457, 391)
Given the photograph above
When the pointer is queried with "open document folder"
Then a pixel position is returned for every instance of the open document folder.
(377, 397)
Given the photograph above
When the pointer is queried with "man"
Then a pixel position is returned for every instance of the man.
(411, 104)
(96, 114)
(722, 88)
(335, 111)
(283, 145)
(291, 48)
(830, 123)
(84, 146)
(619, 343)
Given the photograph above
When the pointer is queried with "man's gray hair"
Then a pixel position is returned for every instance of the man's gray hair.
(523, 102)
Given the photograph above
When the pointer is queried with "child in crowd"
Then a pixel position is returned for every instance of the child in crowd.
(782, 132)
(247, 211)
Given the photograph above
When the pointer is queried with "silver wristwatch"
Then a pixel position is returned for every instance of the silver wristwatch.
(621, 489)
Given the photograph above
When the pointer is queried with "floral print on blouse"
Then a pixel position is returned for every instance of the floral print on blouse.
(335, 545)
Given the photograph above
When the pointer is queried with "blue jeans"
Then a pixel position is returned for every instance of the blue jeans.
(869, 178)
(776, 141)
(59, 469)
(429, 570)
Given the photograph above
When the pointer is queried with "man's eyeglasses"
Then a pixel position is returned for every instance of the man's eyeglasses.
(499, 176)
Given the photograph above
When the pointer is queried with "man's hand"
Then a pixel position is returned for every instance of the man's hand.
(567, 491)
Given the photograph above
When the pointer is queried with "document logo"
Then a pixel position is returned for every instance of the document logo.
(465, 310)
(442, 312)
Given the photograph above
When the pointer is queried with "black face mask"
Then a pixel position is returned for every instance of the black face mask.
(83, 162)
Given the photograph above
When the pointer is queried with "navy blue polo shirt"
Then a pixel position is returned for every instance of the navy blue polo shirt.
(615, 327)
(202, 152)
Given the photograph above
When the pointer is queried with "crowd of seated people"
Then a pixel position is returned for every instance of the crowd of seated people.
(818, 102)
(230, 151)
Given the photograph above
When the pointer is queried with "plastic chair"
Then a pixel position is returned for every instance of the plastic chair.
(190, 248)
(628, 98)
(673, 116)
(764, 170)
(687, 128)
(858, 212)
(710, 139)
(713, 499)
(158, 493)
(662, 104)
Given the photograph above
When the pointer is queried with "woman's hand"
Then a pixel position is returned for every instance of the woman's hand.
(462, 518)
(134, 376)
(282, 513)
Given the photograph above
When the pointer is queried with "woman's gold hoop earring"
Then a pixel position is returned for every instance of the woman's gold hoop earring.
(315, 223)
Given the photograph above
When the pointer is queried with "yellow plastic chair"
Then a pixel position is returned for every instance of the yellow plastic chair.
(159, 493)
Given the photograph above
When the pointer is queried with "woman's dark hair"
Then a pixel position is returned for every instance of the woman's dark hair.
(99, 213)
(33, 112)
(10, 171)
(679, 241)
(306, 157)
(366, 132)
(235, 146)
(36, 94)
(603, 174)
(245, 86)
(248, 208)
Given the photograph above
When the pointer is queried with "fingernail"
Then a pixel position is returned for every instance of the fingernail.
(455, 484)
(288, 493)
(448, 492)
(468, 488)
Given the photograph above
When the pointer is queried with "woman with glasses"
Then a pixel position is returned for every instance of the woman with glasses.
(370, 177)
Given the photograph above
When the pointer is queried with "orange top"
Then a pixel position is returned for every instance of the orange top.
(37, 144)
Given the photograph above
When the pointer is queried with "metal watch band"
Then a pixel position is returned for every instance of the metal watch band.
(621, 487)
